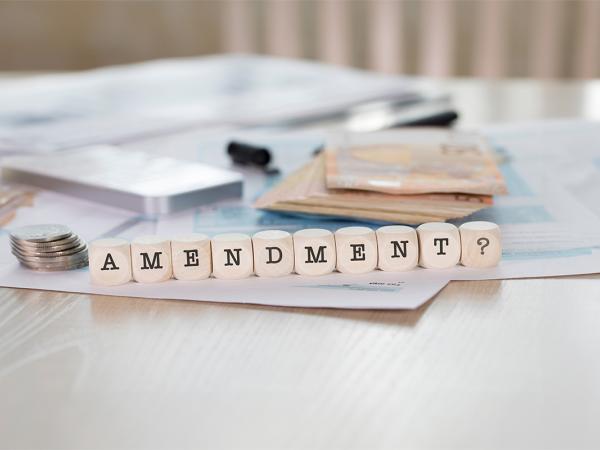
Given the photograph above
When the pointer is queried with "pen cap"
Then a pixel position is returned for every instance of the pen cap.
(242, 153)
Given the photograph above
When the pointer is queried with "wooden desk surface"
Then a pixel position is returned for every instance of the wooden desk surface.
(493, 364)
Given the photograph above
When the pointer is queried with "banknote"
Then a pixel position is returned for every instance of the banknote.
(413, 161)
(12, 198)
(305, 191)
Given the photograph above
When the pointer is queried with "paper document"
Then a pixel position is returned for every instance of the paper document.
(374, 290)
(550, 222)
(125, 103)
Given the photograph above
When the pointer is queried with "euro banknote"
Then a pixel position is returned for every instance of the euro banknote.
(413, 161)
(305, 191)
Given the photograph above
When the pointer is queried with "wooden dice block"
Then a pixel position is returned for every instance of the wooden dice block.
(356, 249)
(481, 244)
(273, 253)
(110, 261)
(439, 245)
(151, 259)
(232, 256)
(398, 248)
(314, 251)
(191, 256)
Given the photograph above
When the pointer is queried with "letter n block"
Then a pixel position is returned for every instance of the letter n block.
(232, 256)
(398, 248)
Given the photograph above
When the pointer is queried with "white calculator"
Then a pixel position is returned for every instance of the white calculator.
(127, 179)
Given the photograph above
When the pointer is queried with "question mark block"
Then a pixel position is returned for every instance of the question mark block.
(481, 244)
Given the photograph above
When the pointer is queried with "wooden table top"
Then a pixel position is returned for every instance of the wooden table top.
(490, 364)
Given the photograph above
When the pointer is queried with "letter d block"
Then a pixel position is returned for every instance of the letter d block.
(191, 257)
(481, 244)
(110, 261)
(273, 253)
(356, 249)
(439, 244)
(314, 251)
(151, 259)
(232, 256)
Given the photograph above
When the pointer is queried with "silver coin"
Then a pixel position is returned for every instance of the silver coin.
(41, 233)
(45, 245)
(77, 257)
(75, 242)
(59, 260)
(71, 251)
(55, 268)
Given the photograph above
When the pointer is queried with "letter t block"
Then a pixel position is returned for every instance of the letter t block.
(439, 245)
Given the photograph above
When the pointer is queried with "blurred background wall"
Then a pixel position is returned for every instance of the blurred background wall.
(491, 38)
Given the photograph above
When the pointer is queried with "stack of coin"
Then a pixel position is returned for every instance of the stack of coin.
(48, 248)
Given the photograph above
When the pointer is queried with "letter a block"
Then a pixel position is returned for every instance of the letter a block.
(398, 248)
(439, 244)
(273, 253)
(110, 261)
(191, 257)
(314, 251)
(481, 244)
(232, 256)
(356, 249)
(151, 259)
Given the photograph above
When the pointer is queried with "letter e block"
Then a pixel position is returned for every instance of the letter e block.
(191, 257)
(398, 248)
(151, 259)
(273, 253)
(110, 261)
(481, 244)
(314, 251)
(439, 245)
(356, 249)
(232, 256)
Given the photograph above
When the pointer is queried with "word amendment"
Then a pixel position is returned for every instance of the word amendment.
(311, 252)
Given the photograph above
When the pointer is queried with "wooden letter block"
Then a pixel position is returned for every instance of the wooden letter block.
(356, 249)
(151, 259)
(191, 257)
(273, 253)
(398, 248)
(439, 245)
(481, 244)
(314, 251)
(232, 256)
(110, 261)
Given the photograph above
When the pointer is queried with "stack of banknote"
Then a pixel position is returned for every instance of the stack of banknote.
(407, 176)
(12, 198)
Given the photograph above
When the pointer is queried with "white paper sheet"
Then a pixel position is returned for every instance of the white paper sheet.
(550, 224)
(374, 290)
(550, 221)
(123, 103)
